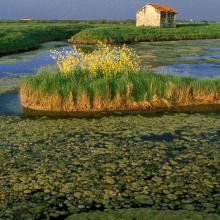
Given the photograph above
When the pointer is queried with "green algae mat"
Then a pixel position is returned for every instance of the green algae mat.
(55, 168)
(144, 214)
(8, 85)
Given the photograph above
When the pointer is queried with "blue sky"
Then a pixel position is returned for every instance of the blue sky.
(103, 9)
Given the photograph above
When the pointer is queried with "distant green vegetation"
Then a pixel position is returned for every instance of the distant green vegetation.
(20, 36)
(129, 33)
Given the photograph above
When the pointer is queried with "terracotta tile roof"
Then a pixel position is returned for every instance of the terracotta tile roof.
(164, 8)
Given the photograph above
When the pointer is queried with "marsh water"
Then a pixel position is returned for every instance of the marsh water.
(162, 160)
(194, 58)
(29, 62)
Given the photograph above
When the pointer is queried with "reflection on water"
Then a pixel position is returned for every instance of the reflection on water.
(199, 70)
(10, 104)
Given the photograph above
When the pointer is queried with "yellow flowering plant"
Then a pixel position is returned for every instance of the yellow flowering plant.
(105, 61)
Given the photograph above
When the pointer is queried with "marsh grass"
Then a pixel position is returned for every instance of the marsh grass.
(129, 33)
(20, 36)
(16, 36)
(139, 90)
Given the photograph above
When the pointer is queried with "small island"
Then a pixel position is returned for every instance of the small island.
(110, 79)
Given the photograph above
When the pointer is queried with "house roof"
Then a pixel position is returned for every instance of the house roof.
(165, 8)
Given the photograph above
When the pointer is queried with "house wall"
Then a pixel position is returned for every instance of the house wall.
(148, 16)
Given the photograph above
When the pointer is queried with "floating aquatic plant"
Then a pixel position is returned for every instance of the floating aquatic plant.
(51, 168)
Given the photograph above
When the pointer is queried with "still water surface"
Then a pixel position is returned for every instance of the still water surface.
(195, 58)
(29, 62)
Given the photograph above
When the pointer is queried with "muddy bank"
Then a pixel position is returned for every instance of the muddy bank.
(55, 106)
(212, 108)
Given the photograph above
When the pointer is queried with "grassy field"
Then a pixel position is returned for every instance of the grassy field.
(18, 36)
(128, 33)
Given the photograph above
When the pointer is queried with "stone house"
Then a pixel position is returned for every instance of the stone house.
(156, 15)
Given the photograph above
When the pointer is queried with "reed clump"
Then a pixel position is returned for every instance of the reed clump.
(110, 79)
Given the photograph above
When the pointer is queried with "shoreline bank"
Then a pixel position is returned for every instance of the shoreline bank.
(211, 108)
